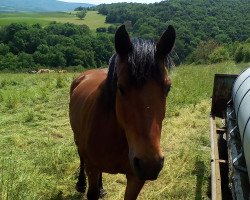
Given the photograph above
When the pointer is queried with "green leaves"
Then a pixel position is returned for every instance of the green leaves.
(81, 14)
(57, 45)
(195, 21)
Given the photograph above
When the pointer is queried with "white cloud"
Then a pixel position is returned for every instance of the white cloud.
(112, 1)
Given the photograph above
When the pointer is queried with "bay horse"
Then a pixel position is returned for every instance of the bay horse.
(116, 114)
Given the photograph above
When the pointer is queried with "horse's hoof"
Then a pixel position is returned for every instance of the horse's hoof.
(80, 188)
(103, 193)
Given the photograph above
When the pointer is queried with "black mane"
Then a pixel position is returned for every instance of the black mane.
(142, 64)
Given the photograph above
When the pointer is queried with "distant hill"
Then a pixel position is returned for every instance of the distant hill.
(196, 21)
(38, 6)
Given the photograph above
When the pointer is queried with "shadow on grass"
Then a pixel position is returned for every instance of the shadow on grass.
(60, 196)
(199, 172)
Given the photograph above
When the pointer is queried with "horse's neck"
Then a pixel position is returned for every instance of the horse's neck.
(107, 102)
(107, 97)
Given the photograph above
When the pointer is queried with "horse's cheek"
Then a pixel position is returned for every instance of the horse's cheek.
(120, 111)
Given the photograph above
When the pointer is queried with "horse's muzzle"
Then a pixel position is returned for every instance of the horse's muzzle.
(147, 169)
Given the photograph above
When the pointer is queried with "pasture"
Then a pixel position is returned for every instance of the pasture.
(38, 155)
(93, 20)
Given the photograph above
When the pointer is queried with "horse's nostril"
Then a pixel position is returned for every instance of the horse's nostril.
(148, 169)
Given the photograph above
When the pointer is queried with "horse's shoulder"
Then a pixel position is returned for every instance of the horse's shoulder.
(76, 82)
(94, 75)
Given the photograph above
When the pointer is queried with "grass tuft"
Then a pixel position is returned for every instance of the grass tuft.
(11, 102)
(60, 82)
(29, 116)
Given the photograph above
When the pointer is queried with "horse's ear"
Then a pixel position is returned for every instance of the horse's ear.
(123, 44)
(166, 42)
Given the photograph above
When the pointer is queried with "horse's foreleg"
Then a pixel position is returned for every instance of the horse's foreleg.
(102, 191)
(93, 180)
(133, 188)
(81, 184)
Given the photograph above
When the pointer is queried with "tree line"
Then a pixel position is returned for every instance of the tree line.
(221, 24)
(57, 45)
(207, 32)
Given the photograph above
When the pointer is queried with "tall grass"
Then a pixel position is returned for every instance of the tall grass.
(38, 159)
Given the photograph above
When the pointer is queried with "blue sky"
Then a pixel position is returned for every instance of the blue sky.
(110, 1)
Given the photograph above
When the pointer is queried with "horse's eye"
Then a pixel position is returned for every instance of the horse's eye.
(121, 89)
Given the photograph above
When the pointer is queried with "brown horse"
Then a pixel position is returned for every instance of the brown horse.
(116, 114)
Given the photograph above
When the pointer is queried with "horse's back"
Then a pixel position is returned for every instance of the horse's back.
(83, 93)
(92, 77)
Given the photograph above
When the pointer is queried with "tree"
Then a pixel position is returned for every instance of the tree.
(56, 59)
(203, 51)
(8, 62)
(12, 29)
(238, 56)
(111, 29)
(53, 40)
(103, 48)
(195, 21)
(67, 29)
(56, 45)
(25, 60)
(4, 49)
(79, 8)
(28, 40)
(74, 56)
(81, 14)
(128, 25)
(219, 54)
(242, 53)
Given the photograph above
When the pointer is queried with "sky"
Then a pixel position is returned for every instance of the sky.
(110, 1)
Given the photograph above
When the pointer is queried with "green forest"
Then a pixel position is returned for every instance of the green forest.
(207, 32)
(56, 45)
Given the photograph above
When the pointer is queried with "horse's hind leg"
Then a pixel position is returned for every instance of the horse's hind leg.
(81, 183)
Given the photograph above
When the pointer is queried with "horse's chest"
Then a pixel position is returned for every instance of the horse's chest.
(108, 153)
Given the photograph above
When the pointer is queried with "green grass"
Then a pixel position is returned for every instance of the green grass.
(39, 159)
(92, 19)
(95, 20)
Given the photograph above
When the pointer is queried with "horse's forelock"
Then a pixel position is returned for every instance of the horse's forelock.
(142, 64)
(141, 61)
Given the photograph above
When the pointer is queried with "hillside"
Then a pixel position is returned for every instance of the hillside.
(196, 21)
(39, 6)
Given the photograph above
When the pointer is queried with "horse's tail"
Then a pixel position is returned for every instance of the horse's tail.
(76, 82)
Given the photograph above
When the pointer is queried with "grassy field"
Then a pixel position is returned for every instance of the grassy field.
(38, 156)
(92, 19)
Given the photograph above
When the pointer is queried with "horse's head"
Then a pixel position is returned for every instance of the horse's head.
(142, 84)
